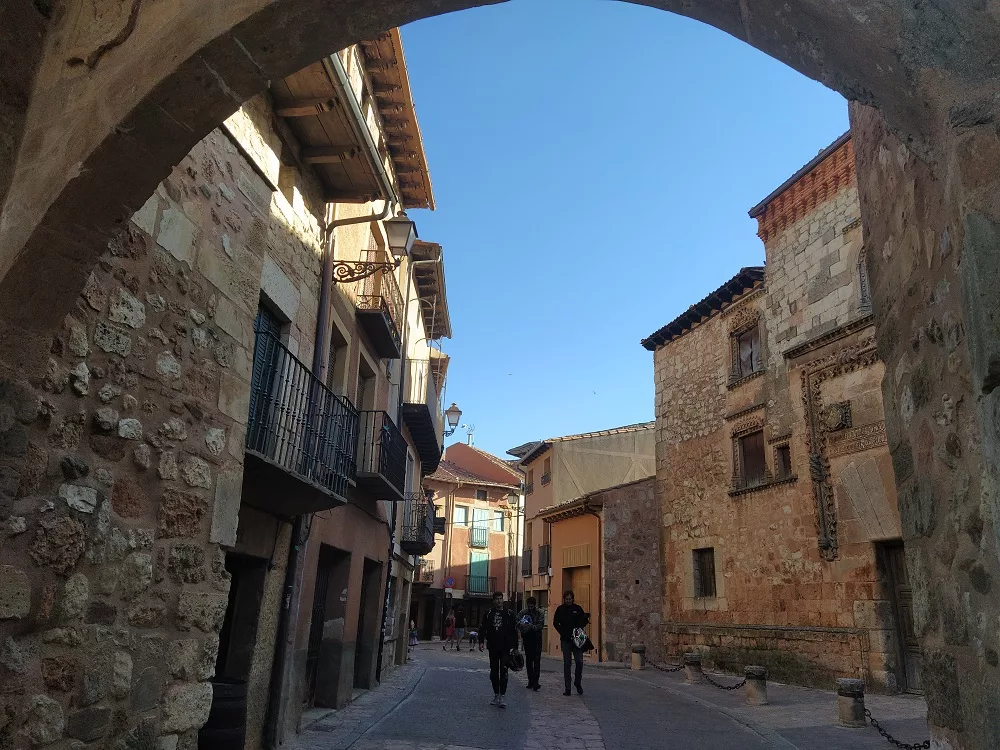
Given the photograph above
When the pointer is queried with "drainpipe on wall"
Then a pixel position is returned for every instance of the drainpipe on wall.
(289, 615)
(600, 577)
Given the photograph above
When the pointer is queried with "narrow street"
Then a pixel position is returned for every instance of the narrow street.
(449, 707)
(440, 701)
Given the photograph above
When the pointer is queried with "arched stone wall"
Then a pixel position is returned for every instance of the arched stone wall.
(98, 100)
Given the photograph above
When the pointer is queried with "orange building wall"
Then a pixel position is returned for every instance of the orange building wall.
(567, 537)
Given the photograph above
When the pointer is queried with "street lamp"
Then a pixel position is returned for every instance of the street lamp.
(401, 233)
(453, 414)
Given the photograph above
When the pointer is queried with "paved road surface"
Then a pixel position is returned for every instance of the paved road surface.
(450, 708)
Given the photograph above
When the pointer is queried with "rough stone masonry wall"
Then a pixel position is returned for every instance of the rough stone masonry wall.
(777, 602)
(112, 586)
(632, 574)
(933, 233)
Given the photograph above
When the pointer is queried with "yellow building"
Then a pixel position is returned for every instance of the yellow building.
(561, 539)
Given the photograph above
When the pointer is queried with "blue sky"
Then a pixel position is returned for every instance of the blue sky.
(593, 164)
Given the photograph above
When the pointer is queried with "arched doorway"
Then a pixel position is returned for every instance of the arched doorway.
(91, 97)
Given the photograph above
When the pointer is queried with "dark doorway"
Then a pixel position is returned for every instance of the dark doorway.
(368, 626)
(901, 593)
(239, 629)
(328, 655)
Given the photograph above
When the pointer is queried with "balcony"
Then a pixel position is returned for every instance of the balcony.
(425, 571)
(379, 310)
(381, 456)
(480, 585)
(422, 412)
(297, 429)
(529, 488)
(526, 562)
(479, 537)
(546, 478)
(544, 558)
(418, 525)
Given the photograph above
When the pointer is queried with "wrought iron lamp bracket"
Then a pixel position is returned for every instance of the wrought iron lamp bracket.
(355, 270)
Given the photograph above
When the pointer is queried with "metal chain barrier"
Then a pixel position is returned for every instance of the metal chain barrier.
(902, 745)
(710, 681)
(676, 668)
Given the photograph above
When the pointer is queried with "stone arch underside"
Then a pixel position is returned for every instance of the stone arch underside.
(121, 91)
(98, 100)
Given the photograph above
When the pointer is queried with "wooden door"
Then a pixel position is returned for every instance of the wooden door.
(578, 581)
(902, 595)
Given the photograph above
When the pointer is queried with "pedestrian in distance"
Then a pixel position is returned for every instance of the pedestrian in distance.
(459, 628)
(414, 639)
(569, 621)
(500, 635)
(530, 623)
(449, 629)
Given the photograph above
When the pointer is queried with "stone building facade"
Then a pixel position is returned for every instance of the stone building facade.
(186, 468)
(781, 534)
(477, 497)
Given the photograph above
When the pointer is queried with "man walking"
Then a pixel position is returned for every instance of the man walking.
(568, 617)
(500, 635)
(531, 622)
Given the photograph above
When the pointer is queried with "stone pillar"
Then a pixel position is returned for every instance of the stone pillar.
(692, 667)
(932, 229)
(851, 702)
(638, 656)
(756, 687)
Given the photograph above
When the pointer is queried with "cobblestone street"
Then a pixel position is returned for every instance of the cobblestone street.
(440, 701)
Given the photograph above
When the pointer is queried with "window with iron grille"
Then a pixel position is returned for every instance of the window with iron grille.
(703, 562)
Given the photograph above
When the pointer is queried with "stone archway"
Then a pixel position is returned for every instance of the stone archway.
(100, 99)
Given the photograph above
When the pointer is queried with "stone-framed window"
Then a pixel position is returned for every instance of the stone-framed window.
(746, 347)
(751, 460)
(703, 570)
(782, 461)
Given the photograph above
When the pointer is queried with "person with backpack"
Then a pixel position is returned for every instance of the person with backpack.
(569, 621)
(530, 623)
(499, 633)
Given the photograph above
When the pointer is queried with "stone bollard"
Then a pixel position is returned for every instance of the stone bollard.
(638, 657)
(692, 667)
(756, 685)
(851, 702)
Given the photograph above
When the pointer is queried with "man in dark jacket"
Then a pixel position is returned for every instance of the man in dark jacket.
(500, 635)
(531, 622)
(569, 616)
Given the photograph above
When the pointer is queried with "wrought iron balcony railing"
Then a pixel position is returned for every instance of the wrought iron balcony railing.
(526, 562)
(381, 455)
(546, 478)
(480, 585)
(418, 524)
(380, 309)
(425, 570)
(529, 488)
(479, 537)
(544, 558)
(296, 422)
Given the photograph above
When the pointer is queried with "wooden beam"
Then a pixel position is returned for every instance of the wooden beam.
(304, 107)
(328, 154)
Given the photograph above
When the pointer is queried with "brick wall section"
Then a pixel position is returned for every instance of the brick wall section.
(632, 581)
(781, 600)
